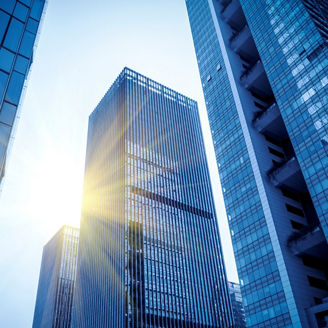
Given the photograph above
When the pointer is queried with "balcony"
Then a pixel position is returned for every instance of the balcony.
(288, 175)
(242, 43)
(233, 14)
(255, 79)
(270, 123)
(312, 243)
(318, 314)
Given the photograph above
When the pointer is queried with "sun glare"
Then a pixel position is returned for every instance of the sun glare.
(56, 191)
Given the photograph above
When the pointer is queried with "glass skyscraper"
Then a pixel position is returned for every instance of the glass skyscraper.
(150, 253)
(53, 307)
(19, 23)
(263, 67)
(237, 305)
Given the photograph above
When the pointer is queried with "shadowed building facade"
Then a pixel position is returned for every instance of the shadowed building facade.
(264, 71)
(150, 254)
(237, 305)
(19, 23)
(53, 307)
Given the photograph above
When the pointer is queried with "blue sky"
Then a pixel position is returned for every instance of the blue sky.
(83, 46)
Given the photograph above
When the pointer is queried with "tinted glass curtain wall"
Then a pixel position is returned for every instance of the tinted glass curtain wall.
(19, 23)
(150, 254)
(53, 306)
(264, 71)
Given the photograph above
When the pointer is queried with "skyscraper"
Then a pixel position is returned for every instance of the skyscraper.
(53, 307)
(19, 23)
(237, 305)
(263, 66)
(150, 254)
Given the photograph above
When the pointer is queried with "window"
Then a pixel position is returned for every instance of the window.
(21, 12)
(7, 5)
(27, 44)
(15, 88)
(13, 35)
(6, 59)
(7, 113)
(3, 83)
(4, 20)
(32, 25)
(4, 134)
(21, 64)
(36, 10)
(26, 2)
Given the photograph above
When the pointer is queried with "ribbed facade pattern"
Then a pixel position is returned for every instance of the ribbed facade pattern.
(150, 254)
(263, 66)
(19, 23)
(53, 308)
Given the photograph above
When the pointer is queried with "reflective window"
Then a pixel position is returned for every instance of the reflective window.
(26, 2)
(27, 44)
(36, 10)
(7, 5)
(7, 113)
(21, 64)
(4, 134)
(6, 59)
(15, 88)
(4, 19)
(13, 35)
(21, 12)
(32, 25)
(3, 83)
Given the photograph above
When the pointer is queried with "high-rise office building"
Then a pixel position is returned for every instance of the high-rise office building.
(237, 305)
(53, 307)
(19, 23)
(150, 253)
(263, 67)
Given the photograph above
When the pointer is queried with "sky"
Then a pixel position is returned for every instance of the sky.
(82, 47)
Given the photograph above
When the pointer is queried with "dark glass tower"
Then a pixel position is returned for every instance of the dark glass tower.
(237, 305)
(19, 23)
(150, 253)
(53, 307)
(264, 71)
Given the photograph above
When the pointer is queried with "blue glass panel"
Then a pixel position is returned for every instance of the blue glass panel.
(27, 44)
(7, 5)
(7, 113)
(4, 19)
(26, 2)
(14, 34)
(15, 88)
(36, 10)
(6, 59)
(3, 83)
(32, 25)
(21, 64)
(4, 134)
(21, 12)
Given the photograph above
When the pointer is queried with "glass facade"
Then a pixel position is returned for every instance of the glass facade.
(19, 22)
(150, 253)
(237, 305)
(53, 307)
(263, 67)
